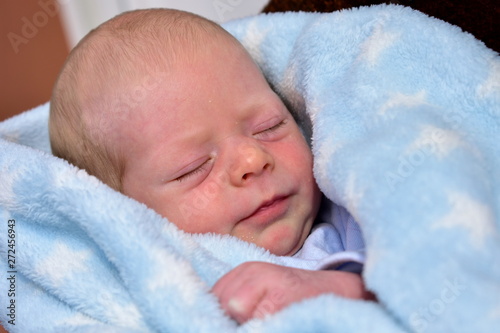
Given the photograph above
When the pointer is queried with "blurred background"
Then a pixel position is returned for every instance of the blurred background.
(38, 34)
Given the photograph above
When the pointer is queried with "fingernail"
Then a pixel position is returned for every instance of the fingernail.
(235, 305)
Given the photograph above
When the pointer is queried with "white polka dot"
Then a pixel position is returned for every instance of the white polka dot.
(376, 44)
(7, 195)
(475, 217)
(436, 141)
(492, 84)
(177, 274)
(253, 40)
(399, 100)
(62, 263)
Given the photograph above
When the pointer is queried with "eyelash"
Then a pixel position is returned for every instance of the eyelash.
(273, 128)
(194, 172)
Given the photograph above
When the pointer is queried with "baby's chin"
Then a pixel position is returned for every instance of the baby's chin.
(291, 251)
(285, 243)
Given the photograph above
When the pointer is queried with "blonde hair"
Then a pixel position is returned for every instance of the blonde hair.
(82, 107)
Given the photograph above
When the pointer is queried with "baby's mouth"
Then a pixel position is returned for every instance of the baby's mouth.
(269, 210)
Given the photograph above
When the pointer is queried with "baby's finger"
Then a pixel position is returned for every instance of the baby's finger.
(242, 303)
(227, 284)
(240, 290)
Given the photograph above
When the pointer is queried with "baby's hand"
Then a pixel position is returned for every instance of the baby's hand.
(255, 289)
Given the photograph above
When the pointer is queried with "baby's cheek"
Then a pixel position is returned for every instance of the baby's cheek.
(296, 153)
(200, 211)
(189, 215)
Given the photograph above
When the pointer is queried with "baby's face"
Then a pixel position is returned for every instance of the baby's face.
(219, 152)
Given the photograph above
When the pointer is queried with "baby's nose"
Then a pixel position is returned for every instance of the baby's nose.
(250, 161)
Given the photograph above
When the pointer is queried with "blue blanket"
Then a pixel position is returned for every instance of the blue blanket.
(404, 112)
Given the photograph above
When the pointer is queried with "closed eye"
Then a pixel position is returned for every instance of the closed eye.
(275, 127)
(200, 169)
(269, 132)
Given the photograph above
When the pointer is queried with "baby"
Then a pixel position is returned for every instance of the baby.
(169, 109)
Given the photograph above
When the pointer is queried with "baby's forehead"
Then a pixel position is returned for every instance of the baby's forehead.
(125, 73)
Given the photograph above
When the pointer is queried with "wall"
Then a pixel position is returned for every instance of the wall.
(32, 50)
(79, 16)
